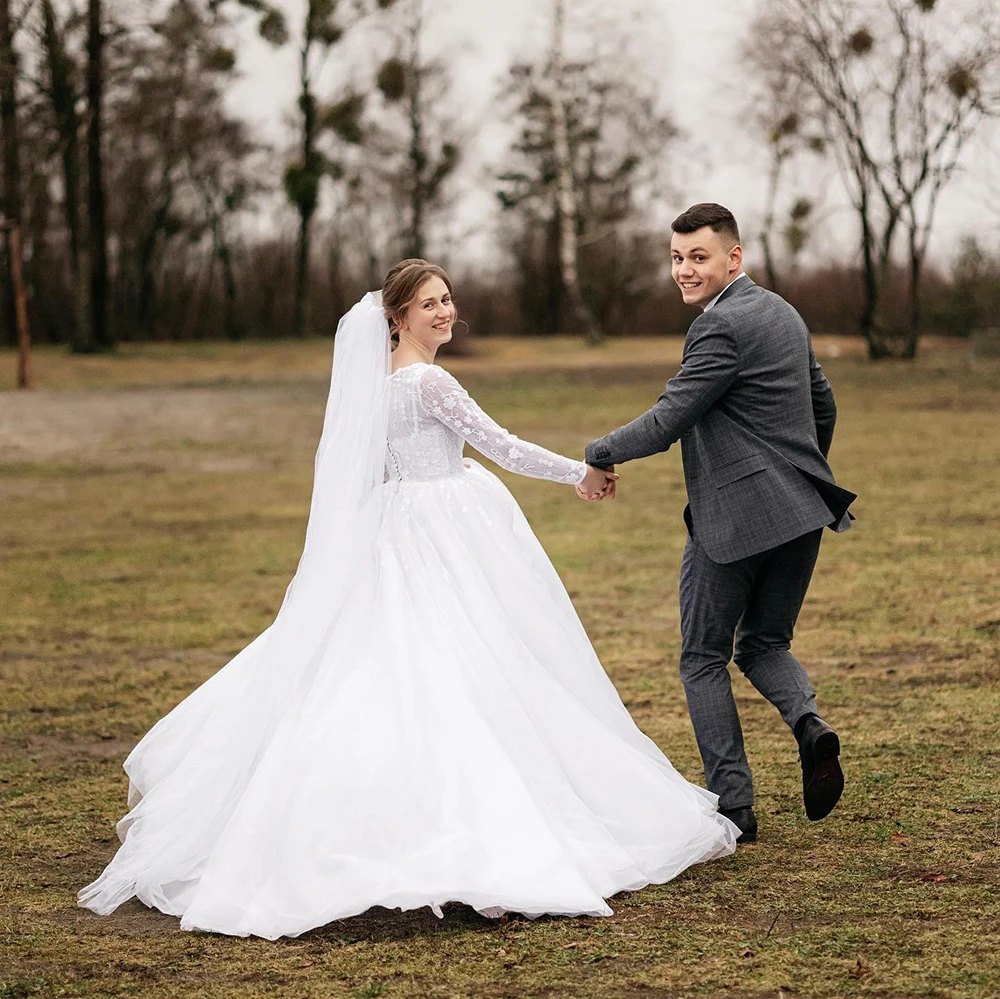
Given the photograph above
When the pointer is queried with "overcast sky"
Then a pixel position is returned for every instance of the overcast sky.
(692, 48)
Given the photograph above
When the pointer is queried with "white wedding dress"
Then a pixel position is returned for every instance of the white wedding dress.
(454, 738)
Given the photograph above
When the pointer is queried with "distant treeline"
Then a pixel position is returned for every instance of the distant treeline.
(192, 302)
(148, 209)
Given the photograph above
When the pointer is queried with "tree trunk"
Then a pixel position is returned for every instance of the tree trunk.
(24, 379)
(418, 154)
(147, 284)
(886, 340)
(335, 256)
(300, 314)
(63, 101)
(101, 337)
(231, 320)
(916, 267)
(11, 156)
(224, 255)
(307, 205)
(770, 270)
(63, 98)
(871, 284)
(566, 186)
(8, 118)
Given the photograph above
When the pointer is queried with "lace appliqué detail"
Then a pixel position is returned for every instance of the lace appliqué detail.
(431, 417)
(445, 400)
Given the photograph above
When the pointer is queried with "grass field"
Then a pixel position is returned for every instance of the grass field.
(153, 510)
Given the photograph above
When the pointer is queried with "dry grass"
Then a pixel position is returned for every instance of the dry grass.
(154, 506)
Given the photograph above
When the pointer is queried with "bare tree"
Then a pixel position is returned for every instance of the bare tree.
(11, 151)
(322, 30)
(101, 337)
(225, 187)
(182, 165)
(566, 182)
(61, 89)
(12, 206)
(617, 140)
(420, 154)
(9, 116)
(901, 89)
(783, 114)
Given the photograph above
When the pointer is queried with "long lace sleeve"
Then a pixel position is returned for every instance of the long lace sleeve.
(443, 397)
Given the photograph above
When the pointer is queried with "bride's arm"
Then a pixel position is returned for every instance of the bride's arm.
(445, 399)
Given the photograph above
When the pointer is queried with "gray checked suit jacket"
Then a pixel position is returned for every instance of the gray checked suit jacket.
(755, 415)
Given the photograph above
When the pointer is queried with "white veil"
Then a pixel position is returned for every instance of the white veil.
(216, 737)
(350, 465)
(338, 558)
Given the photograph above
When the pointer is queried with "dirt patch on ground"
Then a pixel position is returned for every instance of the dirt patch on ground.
(151, 427)
(51, 748)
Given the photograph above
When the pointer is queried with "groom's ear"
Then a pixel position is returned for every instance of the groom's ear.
(736, 257)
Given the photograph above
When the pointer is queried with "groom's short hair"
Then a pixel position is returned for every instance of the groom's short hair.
(717, 218)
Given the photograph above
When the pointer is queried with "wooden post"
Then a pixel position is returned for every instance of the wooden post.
(20, 305)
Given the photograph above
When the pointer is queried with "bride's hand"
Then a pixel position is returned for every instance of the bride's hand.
(597, 484)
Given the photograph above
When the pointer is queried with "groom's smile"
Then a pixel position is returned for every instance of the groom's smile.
(702, 264)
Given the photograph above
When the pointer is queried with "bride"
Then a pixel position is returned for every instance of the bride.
(425, 720)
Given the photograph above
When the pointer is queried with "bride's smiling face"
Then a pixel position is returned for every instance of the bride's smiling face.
(430, 315)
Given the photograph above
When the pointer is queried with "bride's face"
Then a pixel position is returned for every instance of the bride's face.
(430, 316)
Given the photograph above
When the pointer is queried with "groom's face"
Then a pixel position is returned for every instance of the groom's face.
(703, 263)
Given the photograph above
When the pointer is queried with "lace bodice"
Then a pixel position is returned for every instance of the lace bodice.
(430, 418)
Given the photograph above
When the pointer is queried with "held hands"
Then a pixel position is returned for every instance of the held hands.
(598, 484)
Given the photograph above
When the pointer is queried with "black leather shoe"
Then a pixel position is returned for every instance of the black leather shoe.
(822, 778)
(745, 819)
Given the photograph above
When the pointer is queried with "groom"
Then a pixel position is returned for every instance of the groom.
(755, 417)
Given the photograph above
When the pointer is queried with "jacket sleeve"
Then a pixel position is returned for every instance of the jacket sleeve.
(710, 365)
(823, 404)
(445, 399)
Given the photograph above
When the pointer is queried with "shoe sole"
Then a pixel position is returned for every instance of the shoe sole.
(827, 784)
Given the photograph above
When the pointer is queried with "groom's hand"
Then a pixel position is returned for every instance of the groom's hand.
(598, 484)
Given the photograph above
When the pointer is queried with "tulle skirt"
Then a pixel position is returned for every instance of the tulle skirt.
(456, 739)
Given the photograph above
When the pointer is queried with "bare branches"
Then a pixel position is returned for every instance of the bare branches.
(612, 139)
(566, 193)
(900, 92)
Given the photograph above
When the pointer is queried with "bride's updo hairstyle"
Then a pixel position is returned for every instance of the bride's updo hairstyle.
(401, 286)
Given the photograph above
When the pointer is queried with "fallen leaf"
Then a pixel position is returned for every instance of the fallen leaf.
(934, 878)
(570, 946)
(898, 839)
(746, 952)
(860, 970)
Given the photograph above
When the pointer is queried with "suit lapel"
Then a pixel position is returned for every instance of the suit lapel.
(729, 291)
(735, 287)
